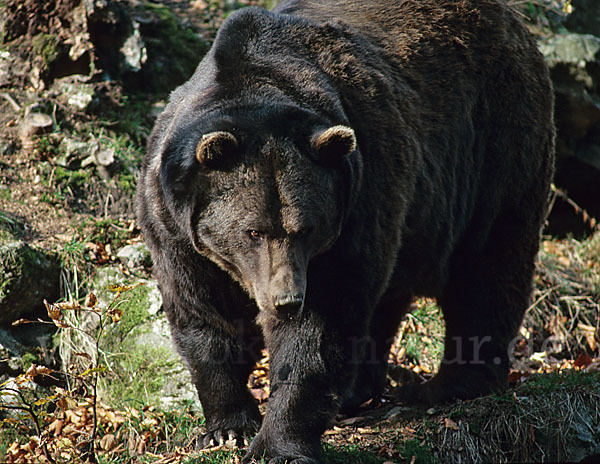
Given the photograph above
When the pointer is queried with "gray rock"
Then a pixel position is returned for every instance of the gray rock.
(10, 398)
(27, 277)
(577, 49)
(73, 151)
(13, 68)
(118, 44)
(148, 300)
(75, 91)
(11, 352)
(6, 63)
(134, 50)
(574, 61)
(135, 255)
(102, 280)
(17, 353)
(177, 387)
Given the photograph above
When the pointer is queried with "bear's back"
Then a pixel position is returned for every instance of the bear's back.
(407, 27)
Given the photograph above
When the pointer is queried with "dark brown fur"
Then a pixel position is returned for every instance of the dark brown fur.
(444, 196)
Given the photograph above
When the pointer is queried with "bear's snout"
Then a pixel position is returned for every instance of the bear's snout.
(288, 304)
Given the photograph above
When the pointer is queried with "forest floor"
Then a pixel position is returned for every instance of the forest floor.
(56, 195)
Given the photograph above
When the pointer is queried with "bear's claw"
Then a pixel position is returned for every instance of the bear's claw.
(234, 438)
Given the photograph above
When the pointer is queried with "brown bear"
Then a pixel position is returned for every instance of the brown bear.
(327, 162)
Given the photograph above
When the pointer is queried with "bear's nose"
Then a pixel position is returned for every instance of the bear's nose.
(288, 303)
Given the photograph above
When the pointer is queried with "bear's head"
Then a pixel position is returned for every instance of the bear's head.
(259, 189)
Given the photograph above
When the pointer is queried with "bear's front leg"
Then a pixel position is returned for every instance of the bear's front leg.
(311, 368)
(219, 366)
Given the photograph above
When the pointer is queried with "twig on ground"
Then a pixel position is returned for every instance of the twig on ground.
(12, 101)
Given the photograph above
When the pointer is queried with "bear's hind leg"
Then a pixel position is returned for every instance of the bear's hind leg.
(483, 304)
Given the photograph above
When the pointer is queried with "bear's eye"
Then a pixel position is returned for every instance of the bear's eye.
(255, 235)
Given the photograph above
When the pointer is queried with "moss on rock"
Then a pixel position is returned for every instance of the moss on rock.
(45, 46)
(27, 277)
(143, 366)
(174, 51)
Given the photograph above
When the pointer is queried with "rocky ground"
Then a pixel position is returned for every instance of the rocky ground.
(80, 85)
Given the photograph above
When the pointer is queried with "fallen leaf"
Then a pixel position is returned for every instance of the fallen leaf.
(582, 361)
(55, 313)
(408, 432)
(92, 370)
(91, 300)
(69, 305)
(66, 403)
(364, 430)
(115, 314)
(72, 417)
(539, 356)
(108, 442)
(515, 377)
(450, 424)
(141, 446)
(131, 444)
(35, 370)
(115, 288)
(56, 427)
(41, 370)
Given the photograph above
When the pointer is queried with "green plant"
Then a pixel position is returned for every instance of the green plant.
(66, 178)
(138, 375)
(350, 453)
(5, 193)
(28, 359)
(424, 332)
(555, 381)
(108, 230)
(10, 227)
(47, 146)
(419, 450)
(131, 122)
(74, 266)
(134, 308)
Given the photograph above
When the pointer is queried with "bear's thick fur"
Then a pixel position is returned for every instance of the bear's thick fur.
(327, 162)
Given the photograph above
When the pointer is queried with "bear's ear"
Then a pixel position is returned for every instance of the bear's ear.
(334, 143)
(215, 146)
